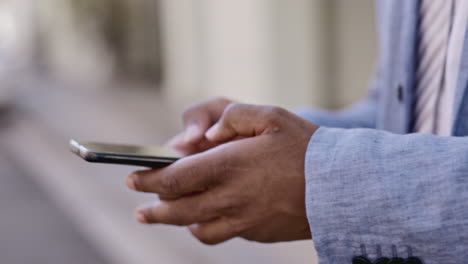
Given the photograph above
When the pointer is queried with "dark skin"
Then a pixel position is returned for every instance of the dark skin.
(244, 176)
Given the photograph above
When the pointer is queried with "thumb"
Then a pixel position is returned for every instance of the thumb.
(194, 132)
(241, 120)
(196, 123)
(198, 118)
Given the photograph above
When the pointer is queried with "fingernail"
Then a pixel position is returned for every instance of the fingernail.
(141, 218)
(210, 134)
(191, 133)
(131, 184)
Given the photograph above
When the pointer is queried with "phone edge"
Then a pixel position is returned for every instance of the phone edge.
(81, 151)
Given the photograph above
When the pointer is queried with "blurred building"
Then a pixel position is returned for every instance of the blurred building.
(315, 52)
(123, 70)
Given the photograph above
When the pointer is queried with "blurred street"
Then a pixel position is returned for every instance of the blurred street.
(32, 229)
(123, 71)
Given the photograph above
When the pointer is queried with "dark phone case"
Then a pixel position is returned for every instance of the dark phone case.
(144, 161)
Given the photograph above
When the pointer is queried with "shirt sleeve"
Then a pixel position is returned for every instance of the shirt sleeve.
(360, 115)
(376, 193)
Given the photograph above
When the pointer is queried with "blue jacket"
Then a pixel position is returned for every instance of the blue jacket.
(374, 189)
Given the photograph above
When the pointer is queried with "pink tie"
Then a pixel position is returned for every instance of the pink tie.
(434, 31)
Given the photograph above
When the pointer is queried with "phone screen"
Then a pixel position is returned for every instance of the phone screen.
(130, 150)
(149, 156)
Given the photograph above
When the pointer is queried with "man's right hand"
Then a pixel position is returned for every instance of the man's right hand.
(197, 120)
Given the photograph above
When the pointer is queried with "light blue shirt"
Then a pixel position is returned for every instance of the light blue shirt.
(444, 118)
(372, 188)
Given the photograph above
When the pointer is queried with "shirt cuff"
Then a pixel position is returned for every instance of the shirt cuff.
(325, 211)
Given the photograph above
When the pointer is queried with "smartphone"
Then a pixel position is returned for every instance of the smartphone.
(145, 156)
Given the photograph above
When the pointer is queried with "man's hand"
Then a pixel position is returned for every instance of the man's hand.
(252, 187)
(197, 120)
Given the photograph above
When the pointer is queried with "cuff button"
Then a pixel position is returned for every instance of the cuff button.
(382, 261)
(396, 261)
(413, 260)
(400, 95)
(361, 260)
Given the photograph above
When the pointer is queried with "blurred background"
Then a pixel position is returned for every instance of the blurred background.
(123, 71)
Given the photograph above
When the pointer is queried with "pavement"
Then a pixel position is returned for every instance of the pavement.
(32, 229)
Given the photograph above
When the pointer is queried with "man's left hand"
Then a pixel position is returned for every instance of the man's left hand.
(252, 186)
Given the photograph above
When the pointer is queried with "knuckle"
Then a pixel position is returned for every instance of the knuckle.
(229, 205)
(173, 218)
(170, 184)
(207, 238)
(275, 111)
(273, 114)
(279, 111)
(137, 182)
(152, 216)
(233, 108)
(162, 214)
(240, 227)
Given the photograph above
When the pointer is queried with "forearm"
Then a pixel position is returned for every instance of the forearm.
(378, 190)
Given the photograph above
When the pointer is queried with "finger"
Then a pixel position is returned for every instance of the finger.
(240, 120)
(198, 118)
(181, 212)
(192, 174)
(175, 141)
(179, 144)
(214, 232)
(194, 131)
